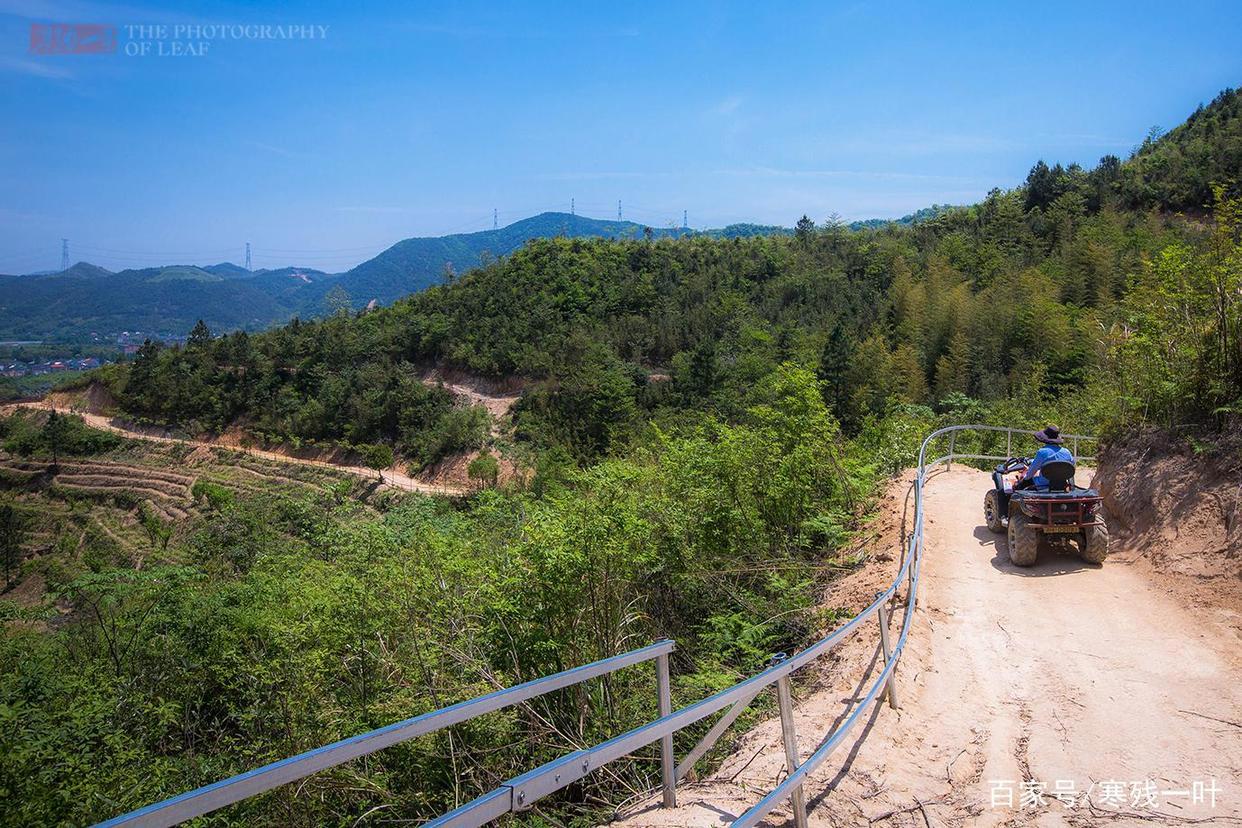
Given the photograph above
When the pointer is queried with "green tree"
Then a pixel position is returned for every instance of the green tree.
(337, 301)
(953, 368)
(484, 469)
(159, 531)
(908, 371)
(834, 369)
(12, 535)
(200, 337)
(804, 229)
(54, 433)
(377, 456)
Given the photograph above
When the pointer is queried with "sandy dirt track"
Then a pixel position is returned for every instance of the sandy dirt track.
(392, 476)
(498, 398)
(1062, 673)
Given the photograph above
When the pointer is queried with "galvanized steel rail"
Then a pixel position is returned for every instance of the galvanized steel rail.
(520, 793)
(236, 788)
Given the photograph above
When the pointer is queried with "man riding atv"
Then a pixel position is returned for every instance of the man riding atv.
(1053, 449)
(1043, 504)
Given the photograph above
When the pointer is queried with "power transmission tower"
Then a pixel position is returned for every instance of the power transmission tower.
(247, 255)
(572, 210)
(495, 224)
(64, 255)
(618, 209)
(685, 225)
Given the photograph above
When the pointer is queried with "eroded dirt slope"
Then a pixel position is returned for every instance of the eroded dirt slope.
(1062, 673)
(1177, 514)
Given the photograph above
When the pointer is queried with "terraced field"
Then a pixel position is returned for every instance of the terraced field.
(88, 511)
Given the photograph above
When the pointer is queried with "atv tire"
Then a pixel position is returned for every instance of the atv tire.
(1023, 540)
(991, 511)
(1093, 544)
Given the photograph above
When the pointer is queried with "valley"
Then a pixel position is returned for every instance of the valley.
(334, 502)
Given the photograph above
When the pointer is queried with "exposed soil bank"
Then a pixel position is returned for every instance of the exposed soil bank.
(1177, 507)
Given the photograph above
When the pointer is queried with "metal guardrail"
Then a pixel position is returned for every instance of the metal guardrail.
(520, 793)
(236, 788)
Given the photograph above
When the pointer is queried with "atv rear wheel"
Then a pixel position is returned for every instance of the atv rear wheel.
(1093, 544)
(991, 511)
(1023, 540)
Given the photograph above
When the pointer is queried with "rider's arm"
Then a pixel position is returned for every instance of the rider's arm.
(1037, 463)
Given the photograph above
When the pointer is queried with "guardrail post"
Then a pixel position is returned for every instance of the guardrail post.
(1075, 451)
(784, 699)
(667, 766)
(891, 686)
(1009, 442)
(952, 446)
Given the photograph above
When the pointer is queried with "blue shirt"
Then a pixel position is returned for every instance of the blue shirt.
(1044, 455)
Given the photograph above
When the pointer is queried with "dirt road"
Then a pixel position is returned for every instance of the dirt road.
(392, 476)
(498, 398)
(1063, 673)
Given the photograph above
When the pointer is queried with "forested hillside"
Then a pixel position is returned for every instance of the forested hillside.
(705, 421)
(415, 264)
(1033, 294)
(166, 301)
(163, 301)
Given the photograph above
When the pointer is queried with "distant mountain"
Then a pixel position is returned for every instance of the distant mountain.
(162, 300)
(185, 273)
(414, 264)
(302, 275)
(741, 231)
(229, 270)
(84, 270)
(926, 214)
(293, 275)
(168, 300)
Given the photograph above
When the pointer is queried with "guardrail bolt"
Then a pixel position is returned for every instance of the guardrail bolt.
(586, 763)
(521, 796)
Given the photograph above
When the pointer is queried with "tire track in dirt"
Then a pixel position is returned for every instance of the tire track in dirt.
(1060, 671)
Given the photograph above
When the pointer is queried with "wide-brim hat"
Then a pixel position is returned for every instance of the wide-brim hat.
(1050, 435)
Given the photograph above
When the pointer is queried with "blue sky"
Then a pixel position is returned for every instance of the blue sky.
(420, 118)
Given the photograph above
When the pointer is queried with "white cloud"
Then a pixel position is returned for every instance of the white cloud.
(284, 152)
(364, 208)
(35, 68)
(760, 171)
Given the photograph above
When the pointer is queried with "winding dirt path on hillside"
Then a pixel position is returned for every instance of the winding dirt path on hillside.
(1062, 673)
(498, 398)
(391, 476)
(474, 391)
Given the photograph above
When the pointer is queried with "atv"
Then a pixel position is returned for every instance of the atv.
(1058, 514)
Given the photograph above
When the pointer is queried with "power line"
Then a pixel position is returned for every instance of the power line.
(24, 255)
(327, 249)
(152, 253)
(330, 256)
